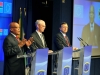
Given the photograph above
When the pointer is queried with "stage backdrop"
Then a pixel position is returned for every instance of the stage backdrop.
(5, 19)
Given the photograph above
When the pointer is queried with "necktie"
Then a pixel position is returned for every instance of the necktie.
(91, 27)
(92, 31)
(17, 38)
(41, 35)
(67, 41)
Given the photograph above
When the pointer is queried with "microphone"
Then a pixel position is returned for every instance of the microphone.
(84, 41)
(81, 41)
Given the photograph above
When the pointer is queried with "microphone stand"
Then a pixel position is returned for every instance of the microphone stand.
(81, 41)
(84, 41)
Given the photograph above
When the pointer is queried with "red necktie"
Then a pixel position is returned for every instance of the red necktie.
(66, 38)
(17, 38)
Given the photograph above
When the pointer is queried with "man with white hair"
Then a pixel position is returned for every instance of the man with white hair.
(39, 38)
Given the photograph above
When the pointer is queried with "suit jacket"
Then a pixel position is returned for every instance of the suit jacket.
(92, 38)
(60, 42)
(12, 65)
(37, 41)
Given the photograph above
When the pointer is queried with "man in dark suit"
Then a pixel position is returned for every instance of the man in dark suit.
(61, 39)
(12, 47)
(39, 38)
(91, 31)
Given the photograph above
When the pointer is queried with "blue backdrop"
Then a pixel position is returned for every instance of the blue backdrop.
(5, 19)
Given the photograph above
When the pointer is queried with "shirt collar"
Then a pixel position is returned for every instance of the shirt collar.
(63, 33)
(13, 34)
(92, 24)
(39, 33)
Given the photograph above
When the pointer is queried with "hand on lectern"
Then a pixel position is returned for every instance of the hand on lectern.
(74, 48)
(50, 51)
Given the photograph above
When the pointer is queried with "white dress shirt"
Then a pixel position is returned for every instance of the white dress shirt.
(91, 27)
(41, 37)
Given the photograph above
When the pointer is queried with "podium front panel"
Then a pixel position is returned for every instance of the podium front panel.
(87, 60)
(67, 61)
(41, 61)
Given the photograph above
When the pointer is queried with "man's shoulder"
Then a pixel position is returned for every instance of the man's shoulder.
(59, 35)
(34, 33)
(96, 24)
(9, 37)
(87, 25)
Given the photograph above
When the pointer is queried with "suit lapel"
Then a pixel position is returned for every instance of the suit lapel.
(62, 37)
(13, 38)
(39, 39)
(16, 43)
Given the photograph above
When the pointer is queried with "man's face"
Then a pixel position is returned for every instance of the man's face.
(15, 28)
(41, 27)
(64, 28)
(91, 14)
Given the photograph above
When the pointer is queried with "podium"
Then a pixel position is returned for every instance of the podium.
(84, 55)
(85, 60)
(65, 61)
(39, 62)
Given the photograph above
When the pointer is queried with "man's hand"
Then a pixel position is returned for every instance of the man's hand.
(22, 43)
(28, 43)
(74, 48)
(50, 51)
(31, 39)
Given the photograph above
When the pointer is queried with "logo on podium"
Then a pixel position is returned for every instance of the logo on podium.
(66, 70)
(86, 67)
(41, 72)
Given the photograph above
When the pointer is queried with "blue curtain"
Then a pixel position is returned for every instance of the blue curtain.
(26, 20)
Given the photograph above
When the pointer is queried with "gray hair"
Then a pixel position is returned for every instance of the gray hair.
(38, 22)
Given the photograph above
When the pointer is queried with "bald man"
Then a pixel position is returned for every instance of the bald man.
(12, 48)
(90, 32)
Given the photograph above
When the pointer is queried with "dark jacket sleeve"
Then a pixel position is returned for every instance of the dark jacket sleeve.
(9, 48)
(33, 47)
(58, 43)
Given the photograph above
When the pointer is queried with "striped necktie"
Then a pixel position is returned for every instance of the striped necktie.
(67, 41)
